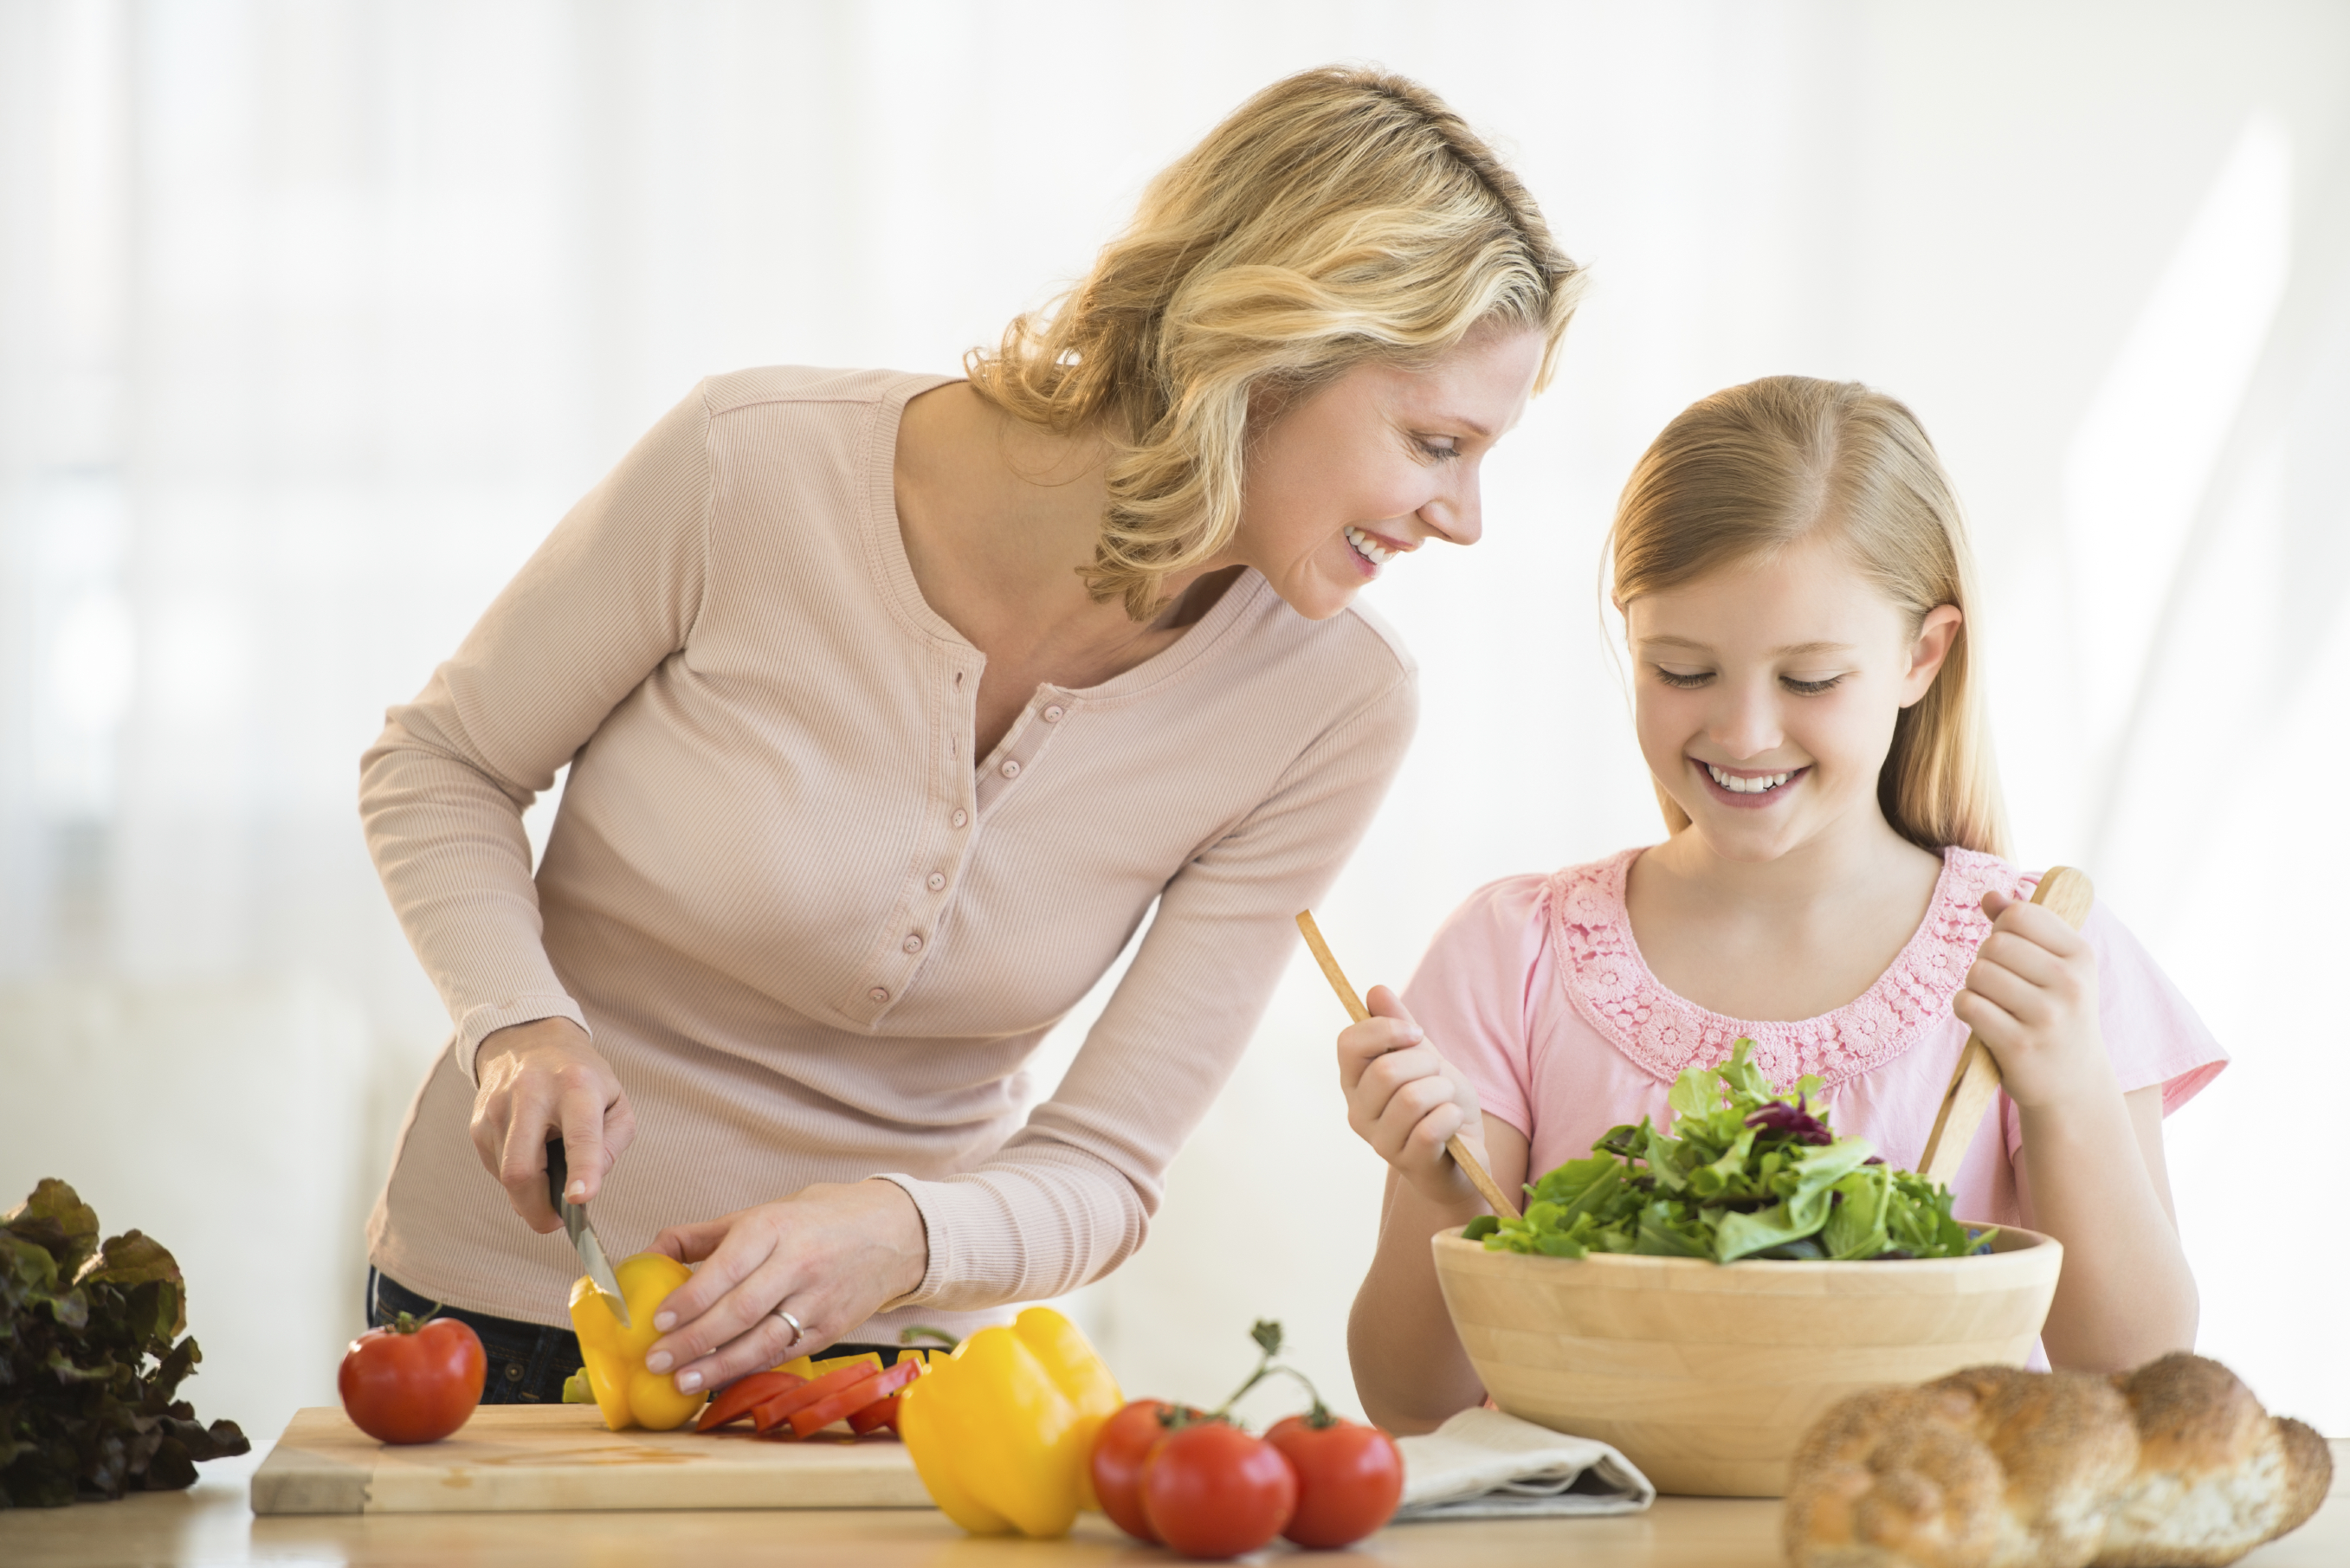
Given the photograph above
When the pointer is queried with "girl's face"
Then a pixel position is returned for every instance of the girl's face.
(1376, 465)
(1766, 695)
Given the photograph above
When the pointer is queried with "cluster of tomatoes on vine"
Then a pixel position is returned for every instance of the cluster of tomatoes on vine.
(1193, 1480)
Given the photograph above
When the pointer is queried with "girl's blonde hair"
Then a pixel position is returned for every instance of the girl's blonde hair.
(1746, 473)
(1338, 217)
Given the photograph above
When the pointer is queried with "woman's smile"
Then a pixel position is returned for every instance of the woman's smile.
(1372, 551)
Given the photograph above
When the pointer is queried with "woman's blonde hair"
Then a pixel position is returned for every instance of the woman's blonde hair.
(1744, 473)
(1338, 217)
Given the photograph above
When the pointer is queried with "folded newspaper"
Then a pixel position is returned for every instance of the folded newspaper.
(1482, 1464)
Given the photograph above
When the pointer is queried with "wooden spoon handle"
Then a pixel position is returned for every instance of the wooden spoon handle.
(1976, 1082)
(1470, 1166)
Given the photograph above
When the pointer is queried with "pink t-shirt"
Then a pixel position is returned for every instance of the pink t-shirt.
(1535, 989)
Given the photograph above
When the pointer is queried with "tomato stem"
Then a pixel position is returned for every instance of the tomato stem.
(1268, 1337)
(409, 1322)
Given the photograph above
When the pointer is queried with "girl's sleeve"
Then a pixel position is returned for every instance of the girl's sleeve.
(2152, 1033)
(1470, 993)
(610, 595)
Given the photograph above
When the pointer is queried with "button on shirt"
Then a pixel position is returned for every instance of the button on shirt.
(815, 940)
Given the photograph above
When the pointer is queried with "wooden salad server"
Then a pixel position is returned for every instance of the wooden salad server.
(1470, 1166)
(1976, 1082)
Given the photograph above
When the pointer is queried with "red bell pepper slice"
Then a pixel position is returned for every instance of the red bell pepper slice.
(833, 1406)
(876, 1386)
(874, 1417)
(775, 1410)
(734, 1401)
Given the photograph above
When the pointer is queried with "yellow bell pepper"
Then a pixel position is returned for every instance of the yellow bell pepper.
(627, 1394)
(812, 1369)
(1003, 1431)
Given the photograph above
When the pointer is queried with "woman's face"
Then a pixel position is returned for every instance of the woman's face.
(1375, 464)
(1766, 694)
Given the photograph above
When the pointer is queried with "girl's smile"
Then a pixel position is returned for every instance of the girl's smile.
(1748, 789)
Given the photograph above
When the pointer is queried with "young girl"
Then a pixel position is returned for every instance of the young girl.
(1795, 585)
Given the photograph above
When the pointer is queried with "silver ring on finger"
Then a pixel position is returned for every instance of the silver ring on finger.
(798, 1328)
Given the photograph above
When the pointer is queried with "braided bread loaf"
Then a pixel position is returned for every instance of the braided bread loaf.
(2175, 1463)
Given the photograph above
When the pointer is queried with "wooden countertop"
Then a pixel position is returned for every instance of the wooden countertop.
(212, 1524)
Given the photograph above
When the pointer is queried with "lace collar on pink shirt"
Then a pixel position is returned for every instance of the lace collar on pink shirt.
(1609, 983)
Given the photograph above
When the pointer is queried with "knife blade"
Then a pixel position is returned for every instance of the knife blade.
(583, 1234)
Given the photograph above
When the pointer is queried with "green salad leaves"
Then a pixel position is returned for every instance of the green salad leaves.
(83, 1415)
(1747, 1173)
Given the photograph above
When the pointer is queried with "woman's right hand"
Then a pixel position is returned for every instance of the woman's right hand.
(539, 1079)
(1406, 1101)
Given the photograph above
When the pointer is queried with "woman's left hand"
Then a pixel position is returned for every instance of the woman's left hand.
(831, 1254)
(2032, 997)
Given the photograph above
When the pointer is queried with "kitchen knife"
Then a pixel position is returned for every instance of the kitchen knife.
(583, 1234)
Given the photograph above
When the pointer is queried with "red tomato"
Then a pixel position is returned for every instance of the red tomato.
(1213, 1490)
(1349, 1480)
(1121, 1446)
(413, 1383)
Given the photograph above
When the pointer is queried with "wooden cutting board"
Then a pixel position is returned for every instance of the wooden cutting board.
(561, 1457)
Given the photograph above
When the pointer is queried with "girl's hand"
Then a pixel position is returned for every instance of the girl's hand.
(2033, 996)
(831, 1254)
(539, 1079)
(1405, 1101)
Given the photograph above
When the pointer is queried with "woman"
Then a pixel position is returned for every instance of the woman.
(892, 704)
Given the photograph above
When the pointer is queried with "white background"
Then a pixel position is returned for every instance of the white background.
(314, 317)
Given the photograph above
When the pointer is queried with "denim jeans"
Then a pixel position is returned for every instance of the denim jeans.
(527, 1363)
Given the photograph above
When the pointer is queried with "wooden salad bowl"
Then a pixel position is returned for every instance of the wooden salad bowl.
(1707, 1375)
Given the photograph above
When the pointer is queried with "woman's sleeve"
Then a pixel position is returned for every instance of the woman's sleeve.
(1069, 1197)
(1469, 994)
(611, 593)
(2153, 1035)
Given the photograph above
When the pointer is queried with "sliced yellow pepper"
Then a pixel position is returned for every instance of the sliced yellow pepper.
(627, 1394)
(812, 1369)
(1003, 1431)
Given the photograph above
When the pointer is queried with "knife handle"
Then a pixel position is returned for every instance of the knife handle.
(557, 1175)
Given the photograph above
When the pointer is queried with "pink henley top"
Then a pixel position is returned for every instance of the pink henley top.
(1536, 990)
(818, 939)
